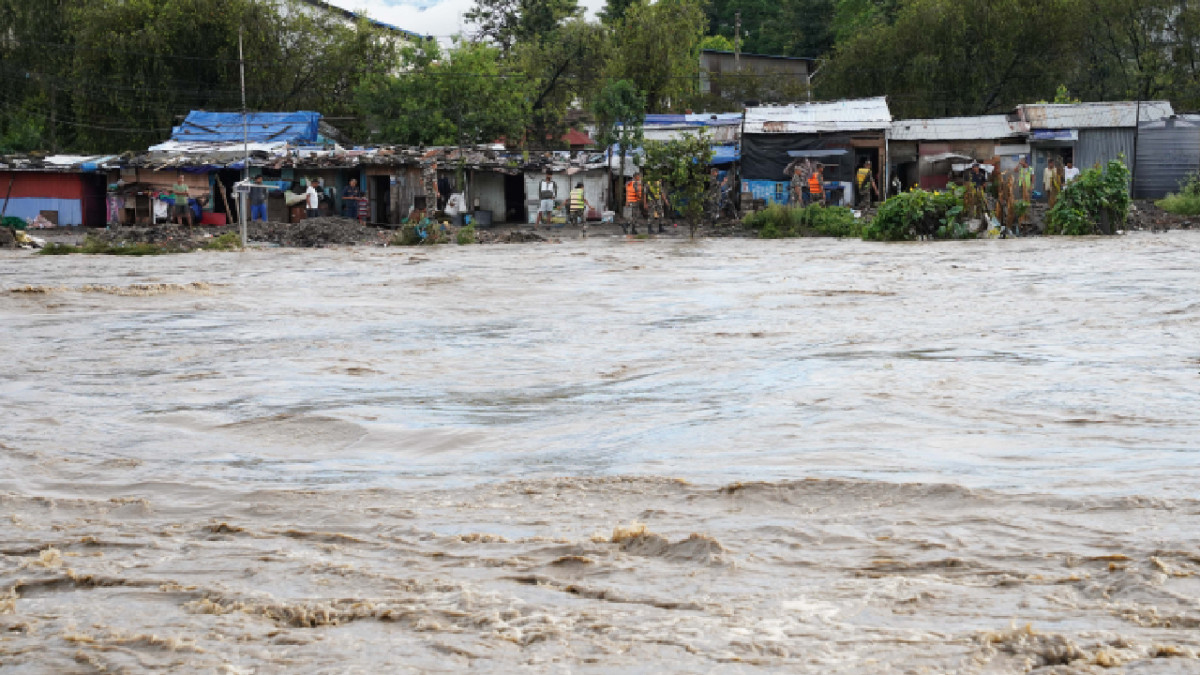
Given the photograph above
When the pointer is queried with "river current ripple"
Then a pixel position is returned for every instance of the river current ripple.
(604, 456)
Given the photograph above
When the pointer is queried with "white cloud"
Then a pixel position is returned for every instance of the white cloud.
(440, 18)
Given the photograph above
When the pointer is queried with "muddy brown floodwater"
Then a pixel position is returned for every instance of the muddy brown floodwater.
(641, 457)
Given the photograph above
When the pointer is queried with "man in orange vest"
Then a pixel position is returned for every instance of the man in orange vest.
(816, 185)
(633, 202)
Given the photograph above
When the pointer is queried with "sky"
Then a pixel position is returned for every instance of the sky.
(439, 18)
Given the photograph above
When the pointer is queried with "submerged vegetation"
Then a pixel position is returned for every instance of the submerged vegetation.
(94, 246)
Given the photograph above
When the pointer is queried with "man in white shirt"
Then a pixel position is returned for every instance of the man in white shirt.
(312, 198)
(547, 193)
(1070, 173)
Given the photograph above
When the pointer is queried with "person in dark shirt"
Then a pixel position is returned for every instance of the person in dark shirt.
(258, 200)
(351, 197)
(977, 175)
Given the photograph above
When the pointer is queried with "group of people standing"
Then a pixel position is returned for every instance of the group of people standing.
(807, 183)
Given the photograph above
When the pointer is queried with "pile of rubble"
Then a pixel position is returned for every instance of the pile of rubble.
(315, 233)
(1145, 215)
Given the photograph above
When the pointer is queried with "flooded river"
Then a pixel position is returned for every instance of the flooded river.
(725, 456)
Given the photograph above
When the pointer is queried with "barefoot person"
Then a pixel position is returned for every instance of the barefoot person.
(182, 209)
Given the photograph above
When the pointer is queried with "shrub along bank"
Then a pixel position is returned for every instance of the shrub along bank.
(1097, 202)
(778, 221)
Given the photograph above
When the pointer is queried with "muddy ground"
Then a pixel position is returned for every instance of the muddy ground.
(335, 231)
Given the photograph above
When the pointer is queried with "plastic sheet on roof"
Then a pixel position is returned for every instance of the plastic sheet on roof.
(208, 127)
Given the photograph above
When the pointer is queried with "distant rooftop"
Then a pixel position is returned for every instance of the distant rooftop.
(1092, 115)
(758, 56)
(802, 118)
(958, 128)
(355, 15)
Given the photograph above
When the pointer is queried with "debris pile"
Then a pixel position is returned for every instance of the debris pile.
(1145, 215)
(8, 238)
(519, 237)
(314, 233)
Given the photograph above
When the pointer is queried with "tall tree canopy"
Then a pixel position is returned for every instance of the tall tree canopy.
(462, 96)
(657, 46)
(111, 75)
(507, 22)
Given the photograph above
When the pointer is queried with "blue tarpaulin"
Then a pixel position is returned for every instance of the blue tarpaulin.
(208, 127)
(722, 154)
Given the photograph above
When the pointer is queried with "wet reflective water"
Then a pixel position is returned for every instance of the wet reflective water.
(664, 456)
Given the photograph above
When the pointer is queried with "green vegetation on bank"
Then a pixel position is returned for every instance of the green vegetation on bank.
(230, 241)
(1097, 202)
(917, 213)
(778, 221)
(1186, 202)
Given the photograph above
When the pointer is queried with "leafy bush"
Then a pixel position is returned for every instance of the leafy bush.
(915, 213)
(1186, 202)
(1095, 196)
(425, 232)
(230, 241)
(778, 221)
(466, 235)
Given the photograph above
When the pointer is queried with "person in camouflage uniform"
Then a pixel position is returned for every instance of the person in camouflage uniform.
(656, 206)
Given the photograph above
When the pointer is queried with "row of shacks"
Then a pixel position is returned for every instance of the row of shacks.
(210, 151)
(1160, 146)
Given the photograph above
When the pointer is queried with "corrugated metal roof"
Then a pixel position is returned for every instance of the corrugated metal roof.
(984, 127)
(806, 118)
(1092, 115)
(693, 120)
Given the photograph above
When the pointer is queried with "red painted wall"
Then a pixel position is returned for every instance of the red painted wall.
(43, 185)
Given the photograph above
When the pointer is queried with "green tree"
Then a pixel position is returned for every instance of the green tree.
(564, 67)
(508, 22)
(620, 111)
(658, 48)
(463, 96)
(614, 11)
(682, 166)
(780, 27)
(718, 43)
(945, 57)
(112, 75)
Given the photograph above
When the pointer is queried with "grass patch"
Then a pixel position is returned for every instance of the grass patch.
(466, 235)
(54, 248)
(1186, 202)
(93, 246)
(230, 241)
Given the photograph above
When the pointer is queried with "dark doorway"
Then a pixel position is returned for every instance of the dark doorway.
(514, 199)
(224, 199)
(381, 199)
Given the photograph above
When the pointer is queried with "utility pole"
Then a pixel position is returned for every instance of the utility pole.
(1136, 130)
(245, 140)
(737, 41)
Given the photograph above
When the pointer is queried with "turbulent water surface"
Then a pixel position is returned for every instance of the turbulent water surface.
(604, 456)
